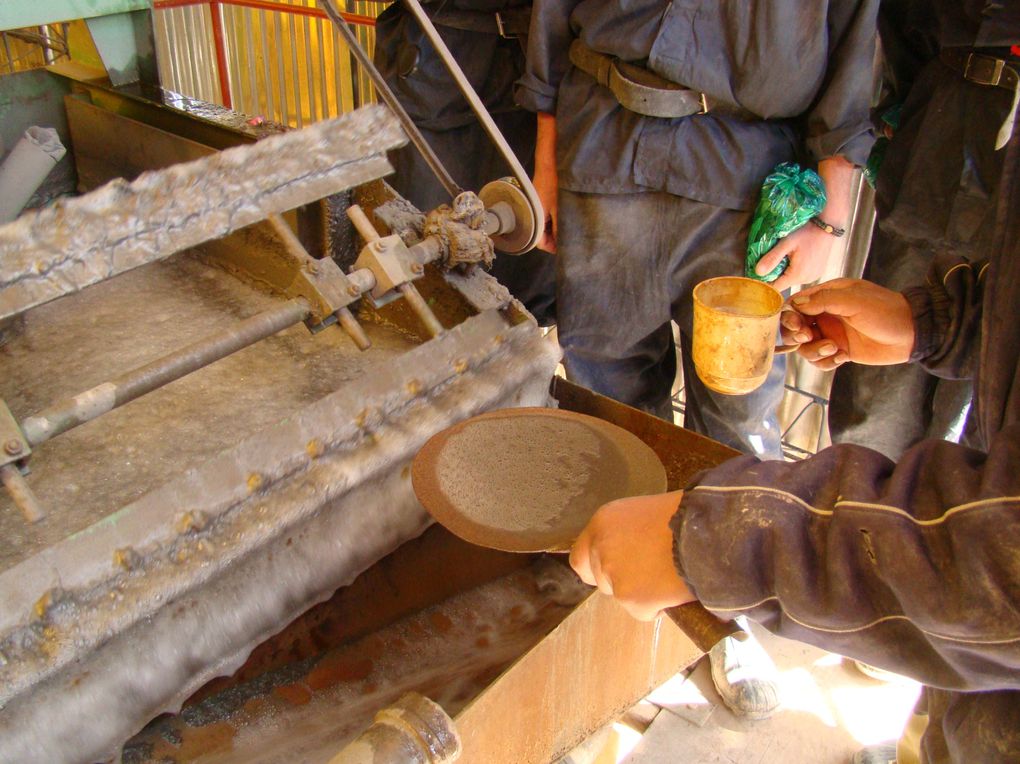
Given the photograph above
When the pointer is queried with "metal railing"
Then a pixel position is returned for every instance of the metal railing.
(24, 49)
(277, 59)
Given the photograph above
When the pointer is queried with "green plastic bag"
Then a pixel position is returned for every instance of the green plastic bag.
(889, 125)
(790, 197)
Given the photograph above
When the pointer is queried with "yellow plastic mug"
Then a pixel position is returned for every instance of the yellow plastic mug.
(736, 321)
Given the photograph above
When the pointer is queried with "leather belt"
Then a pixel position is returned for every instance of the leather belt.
(990, 71)
(510, 23)
(635, 88)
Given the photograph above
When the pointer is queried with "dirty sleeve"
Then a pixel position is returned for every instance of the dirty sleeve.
(839, 121)
(549, 38)
(913, 567)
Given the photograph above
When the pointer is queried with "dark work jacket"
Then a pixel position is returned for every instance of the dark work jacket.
(913, 566)
(428, 93)
(801, 72)
(939, 176)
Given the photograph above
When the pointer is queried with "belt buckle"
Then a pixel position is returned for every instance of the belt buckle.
(980, 74)
(501, 28)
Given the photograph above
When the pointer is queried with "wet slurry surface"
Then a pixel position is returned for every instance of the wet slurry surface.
(80, 341)
(309, 710)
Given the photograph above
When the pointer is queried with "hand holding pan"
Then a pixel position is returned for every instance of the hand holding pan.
(529, 480)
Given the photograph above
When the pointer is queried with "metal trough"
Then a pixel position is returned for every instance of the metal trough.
(183, 528)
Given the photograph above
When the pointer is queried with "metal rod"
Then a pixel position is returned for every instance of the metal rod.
(296, 10)
(353, 328)
(344, 316)
(391, 100)
(362, 224)
(309, 78)
(7, 51)
(22, 495)
(409, 291)
(284, 116)
(421, 308)
(71, 412)
(254, 107)
(295, 74)
(264, 21)
(221, 53)
(321, 68)
(482, 113)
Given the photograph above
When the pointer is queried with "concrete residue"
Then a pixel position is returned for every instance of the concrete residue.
(449, 652)
(74, 243)
(122, 645)
(458, 227)
(403, 219)
(487, 466)
(84, 474)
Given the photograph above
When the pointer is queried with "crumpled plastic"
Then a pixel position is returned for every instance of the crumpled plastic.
(459, 229)
(890, 122)
(790, 197)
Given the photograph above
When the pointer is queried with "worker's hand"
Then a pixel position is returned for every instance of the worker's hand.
(849, 320)
(627, 552)
(810, 250)
(546, 179)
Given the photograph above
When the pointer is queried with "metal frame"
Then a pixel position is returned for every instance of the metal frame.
(320, 292)
(218, 32)
(17, 15)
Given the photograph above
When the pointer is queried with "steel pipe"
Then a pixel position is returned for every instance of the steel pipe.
(84, 407)
(390, 100)
(21, 494)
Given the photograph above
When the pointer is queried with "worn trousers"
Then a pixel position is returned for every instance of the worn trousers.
(890, 408)
(627, 264)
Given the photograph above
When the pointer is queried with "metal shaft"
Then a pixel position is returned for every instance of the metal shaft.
(21, 493)
(421, 308)
(353, 328)
(482, 113)
(84, 407)
(410, 292)
(413, 133)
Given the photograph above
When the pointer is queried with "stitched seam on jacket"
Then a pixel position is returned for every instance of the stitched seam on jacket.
(855, 629)
(791, 498)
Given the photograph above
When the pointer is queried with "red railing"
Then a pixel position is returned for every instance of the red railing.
(262, 5)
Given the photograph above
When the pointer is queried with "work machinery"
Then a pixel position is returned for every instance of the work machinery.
(219, 357)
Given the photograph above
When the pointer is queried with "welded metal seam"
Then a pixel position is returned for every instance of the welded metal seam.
(38, 634)
(122, 225)
(457, 399)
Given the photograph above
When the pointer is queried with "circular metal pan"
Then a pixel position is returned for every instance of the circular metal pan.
(529, 479)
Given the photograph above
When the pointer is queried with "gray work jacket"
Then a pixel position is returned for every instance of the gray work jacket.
(938, 180)
(913, 566)
(801, 70)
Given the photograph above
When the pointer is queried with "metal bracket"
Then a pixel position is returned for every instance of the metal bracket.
(327, 289)
(389, 260)
(393, 266)
(14, 453)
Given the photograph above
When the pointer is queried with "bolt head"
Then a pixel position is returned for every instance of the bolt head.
(378, 245)
(313, 268)
(13, 447)
(418, 268)
(353, 290)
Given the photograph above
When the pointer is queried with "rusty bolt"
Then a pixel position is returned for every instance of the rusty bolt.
(13, 447)
(418, 268)
(353, 290)
(313, 268)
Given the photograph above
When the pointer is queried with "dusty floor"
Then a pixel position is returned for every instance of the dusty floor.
(831, 710)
